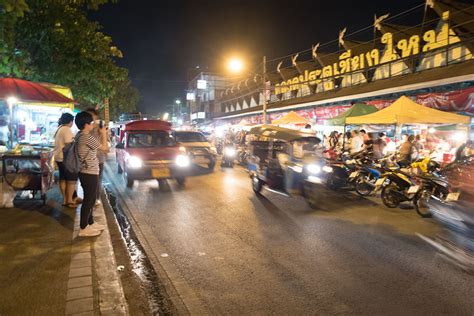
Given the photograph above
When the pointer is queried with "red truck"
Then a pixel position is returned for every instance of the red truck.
(147, 150)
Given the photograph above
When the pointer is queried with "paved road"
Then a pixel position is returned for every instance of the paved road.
(242, 254)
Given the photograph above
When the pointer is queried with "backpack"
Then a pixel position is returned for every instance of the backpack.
(71, 160)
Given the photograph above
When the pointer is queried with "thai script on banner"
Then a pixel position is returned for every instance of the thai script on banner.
(349, 63)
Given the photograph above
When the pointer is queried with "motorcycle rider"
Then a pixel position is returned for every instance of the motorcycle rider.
(406, 150)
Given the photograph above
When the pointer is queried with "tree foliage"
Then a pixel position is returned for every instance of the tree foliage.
(54, 41)
(124, 100)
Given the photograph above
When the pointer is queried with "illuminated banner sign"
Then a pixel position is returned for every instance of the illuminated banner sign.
(349, 63)
(190, 96)
(202, 84)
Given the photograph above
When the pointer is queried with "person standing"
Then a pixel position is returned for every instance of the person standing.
(67, 180)
(379, 146)
(101, 154)
(88, 145)
(363, 134)
(356, 142)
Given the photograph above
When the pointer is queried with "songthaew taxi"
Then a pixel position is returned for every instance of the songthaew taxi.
(148, 150)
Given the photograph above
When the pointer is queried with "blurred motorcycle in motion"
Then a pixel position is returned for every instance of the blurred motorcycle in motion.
(456, 216)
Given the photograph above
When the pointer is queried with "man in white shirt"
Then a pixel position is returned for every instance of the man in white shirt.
(356, 142)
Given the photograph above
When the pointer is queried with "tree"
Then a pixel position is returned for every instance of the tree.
(124, 100)
(10, 58)
(55, 42)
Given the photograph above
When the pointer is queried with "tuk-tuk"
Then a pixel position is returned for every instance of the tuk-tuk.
(283, 160)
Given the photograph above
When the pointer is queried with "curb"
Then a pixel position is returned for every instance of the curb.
(96, 255)
(180, 293)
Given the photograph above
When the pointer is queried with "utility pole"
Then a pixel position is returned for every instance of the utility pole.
(264, 90)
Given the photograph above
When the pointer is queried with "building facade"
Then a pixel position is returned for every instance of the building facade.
(203, 90)
(431, 62)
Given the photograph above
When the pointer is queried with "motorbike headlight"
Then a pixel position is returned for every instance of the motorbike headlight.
(313, 169)
(182, 161)
(135, 162)
(229, 152)
(327, 169)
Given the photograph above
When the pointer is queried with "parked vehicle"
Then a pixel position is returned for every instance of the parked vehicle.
(404, 184)
(284, 161)
(402, 187)
(365, 182)
(148, 150)
(199, 149)
(343, 171)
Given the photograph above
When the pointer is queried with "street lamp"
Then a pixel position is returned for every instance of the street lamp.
(235, 65)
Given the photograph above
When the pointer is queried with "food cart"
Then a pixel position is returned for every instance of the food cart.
(29, 169)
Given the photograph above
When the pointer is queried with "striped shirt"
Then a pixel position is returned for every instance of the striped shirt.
(87, 149)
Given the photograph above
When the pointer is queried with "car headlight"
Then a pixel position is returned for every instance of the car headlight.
(135, 162)
(327, 169)
(229, 152)
(313, 168)
(182, 161)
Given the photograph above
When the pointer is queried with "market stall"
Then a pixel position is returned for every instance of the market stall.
(29, 115)
(357, 109)
(292, 119)
(420, 120)
(30, 111)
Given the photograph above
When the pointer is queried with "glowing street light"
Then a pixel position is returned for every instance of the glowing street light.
(235, 65)
(12, 101)
(178, 101)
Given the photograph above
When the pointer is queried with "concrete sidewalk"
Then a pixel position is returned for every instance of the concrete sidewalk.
(45, 269)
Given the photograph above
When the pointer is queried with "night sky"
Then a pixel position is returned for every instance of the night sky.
(161, 40)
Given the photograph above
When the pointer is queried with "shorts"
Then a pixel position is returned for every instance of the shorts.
(65, 175)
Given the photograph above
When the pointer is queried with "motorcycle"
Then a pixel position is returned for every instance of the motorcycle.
(403, 185)
(229, 155)
(455, 215)
(342, 173)
(368, 175)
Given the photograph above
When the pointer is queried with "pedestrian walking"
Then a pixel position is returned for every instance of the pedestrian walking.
(88, 144)
(67, 180)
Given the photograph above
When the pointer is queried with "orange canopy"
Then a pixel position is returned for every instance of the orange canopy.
(406, 111)
(291, 118)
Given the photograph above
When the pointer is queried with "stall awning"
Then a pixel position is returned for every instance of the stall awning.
(30, 92)
(357, 109)
(291, 118)
(406, 111)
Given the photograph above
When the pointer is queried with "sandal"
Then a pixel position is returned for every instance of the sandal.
(72, 205)
(78, 200)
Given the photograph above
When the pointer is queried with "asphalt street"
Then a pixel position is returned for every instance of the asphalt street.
(239, 253)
